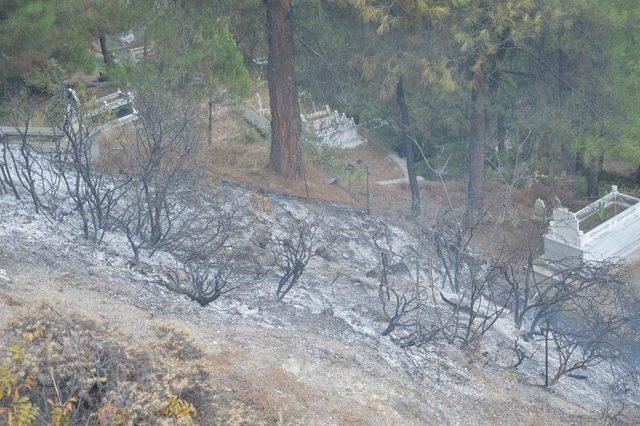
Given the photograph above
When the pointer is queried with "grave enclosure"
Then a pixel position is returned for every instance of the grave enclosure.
(118, 104)
(608, 228)
(334, 129)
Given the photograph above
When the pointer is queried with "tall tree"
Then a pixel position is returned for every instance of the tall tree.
(484, 30)
(195, 40)
(286, 153)
(38, 38)
(103, 18)
(195, 55)
(408, 147)
(585, 61)
(407, 26)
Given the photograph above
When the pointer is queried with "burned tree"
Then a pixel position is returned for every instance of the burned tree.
(400, 305)
(156, 157)
(467, 315)
(537, 297)
(203, 282)
(25, 165)
(292, 251)
(587, 321)
(203, 242)
(93, 194)
(199, 228)
(131, 220)
(408, 147)
(6, 177)
(477, 299)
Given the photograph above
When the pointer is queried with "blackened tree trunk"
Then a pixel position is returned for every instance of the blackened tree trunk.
(286, 154)
(567, 152)
(501, 131)
(210, 124)
(592, 172)
(106, 56)
(408, 148)
(477, 142)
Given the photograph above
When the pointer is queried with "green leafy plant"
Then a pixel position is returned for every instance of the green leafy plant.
(601, 211)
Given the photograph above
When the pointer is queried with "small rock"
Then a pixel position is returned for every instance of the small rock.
(348, 254)
(327, 312)
(399, 268)
(142, 268)
(326, 255)
(374, 273)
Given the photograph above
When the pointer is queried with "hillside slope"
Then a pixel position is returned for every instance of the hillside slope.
(315, 358)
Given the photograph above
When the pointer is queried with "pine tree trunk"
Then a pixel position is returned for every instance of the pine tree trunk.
(286, 154)
(593, 171)
(210, 124)
(106, 56)
(501, 131)
(477, 143)
(567, 153)
(408, 148)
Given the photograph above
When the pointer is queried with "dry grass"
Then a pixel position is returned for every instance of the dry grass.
(113, 379)
(240, 153)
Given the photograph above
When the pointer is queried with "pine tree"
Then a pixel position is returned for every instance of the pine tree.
(103, 18)
(407, 26)
(286, 153)
(38, 38)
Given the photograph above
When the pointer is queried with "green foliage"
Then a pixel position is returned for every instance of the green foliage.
(40, 40)
(105, 17)
(193, 48)
(563, 72)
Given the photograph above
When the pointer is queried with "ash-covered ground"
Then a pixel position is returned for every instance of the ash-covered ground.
(324, 337)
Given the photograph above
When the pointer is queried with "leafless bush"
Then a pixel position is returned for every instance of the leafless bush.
(293, 250)
(478, 299)
(198, 227)
(583, 314)
(589, 328)
(208, 267)
(6, 178)
(468, 315)
(157, 157)
(613, 412)
(567, 286)
(130, 219)
(207, 227)
(23, 108)
(400, 305)
(520, 353)
(93, 194)
(203, 282)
